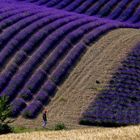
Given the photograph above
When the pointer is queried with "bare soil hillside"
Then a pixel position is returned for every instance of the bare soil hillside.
(87, 79)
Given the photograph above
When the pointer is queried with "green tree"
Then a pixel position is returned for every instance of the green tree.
(5, 112)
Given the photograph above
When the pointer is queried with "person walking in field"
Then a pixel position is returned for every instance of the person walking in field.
(44, 117)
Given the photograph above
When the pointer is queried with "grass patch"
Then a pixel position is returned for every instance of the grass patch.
(24, 129)
(59, 126)
(63, 99)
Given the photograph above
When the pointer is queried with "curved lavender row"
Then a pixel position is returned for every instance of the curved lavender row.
(95, 24)
(62, 4)
(136, 17)
(118, 11)
(49, 88)
(54, 22)
(129, 11)
(26, 75)
(4, 9)
(12, 16)
(32, 110)
(20, 77)
(16, 106)
(74, 37)
(82, 5)
(28, 49)
(19, 39)
(64, 68)
(55, 3)
(15, 28)
(106, 10)
(94, 7)
(58, 73)
(15, 18)
(38, 20)
(119, 104)
(33, 84)
(52, 63)
(68, 43)
(9, 13)
(62, 74)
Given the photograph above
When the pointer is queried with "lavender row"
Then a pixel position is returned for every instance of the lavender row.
(118, 10)
(79, 4)
(14, 16)
(65, 46)
(31, 111)
(38, 56)
(29, 47)
(9, 13)
(38, 21)
(57, 76)
(29, 83)
(17, 105)
(56, 55)
(94, 7)
(15, 28)
(38, 96)
(106, 10)
(33, 84)
(129, 11)
(54, 58)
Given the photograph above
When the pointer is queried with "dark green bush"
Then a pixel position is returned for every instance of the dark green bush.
(5, 113)
(60, 126)
(4, 128)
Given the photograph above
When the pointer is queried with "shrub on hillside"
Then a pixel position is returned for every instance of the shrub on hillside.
(4, 128)
(60, 126)
(5, 112)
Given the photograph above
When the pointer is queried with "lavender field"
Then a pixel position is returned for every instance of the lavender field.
(41, 41)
